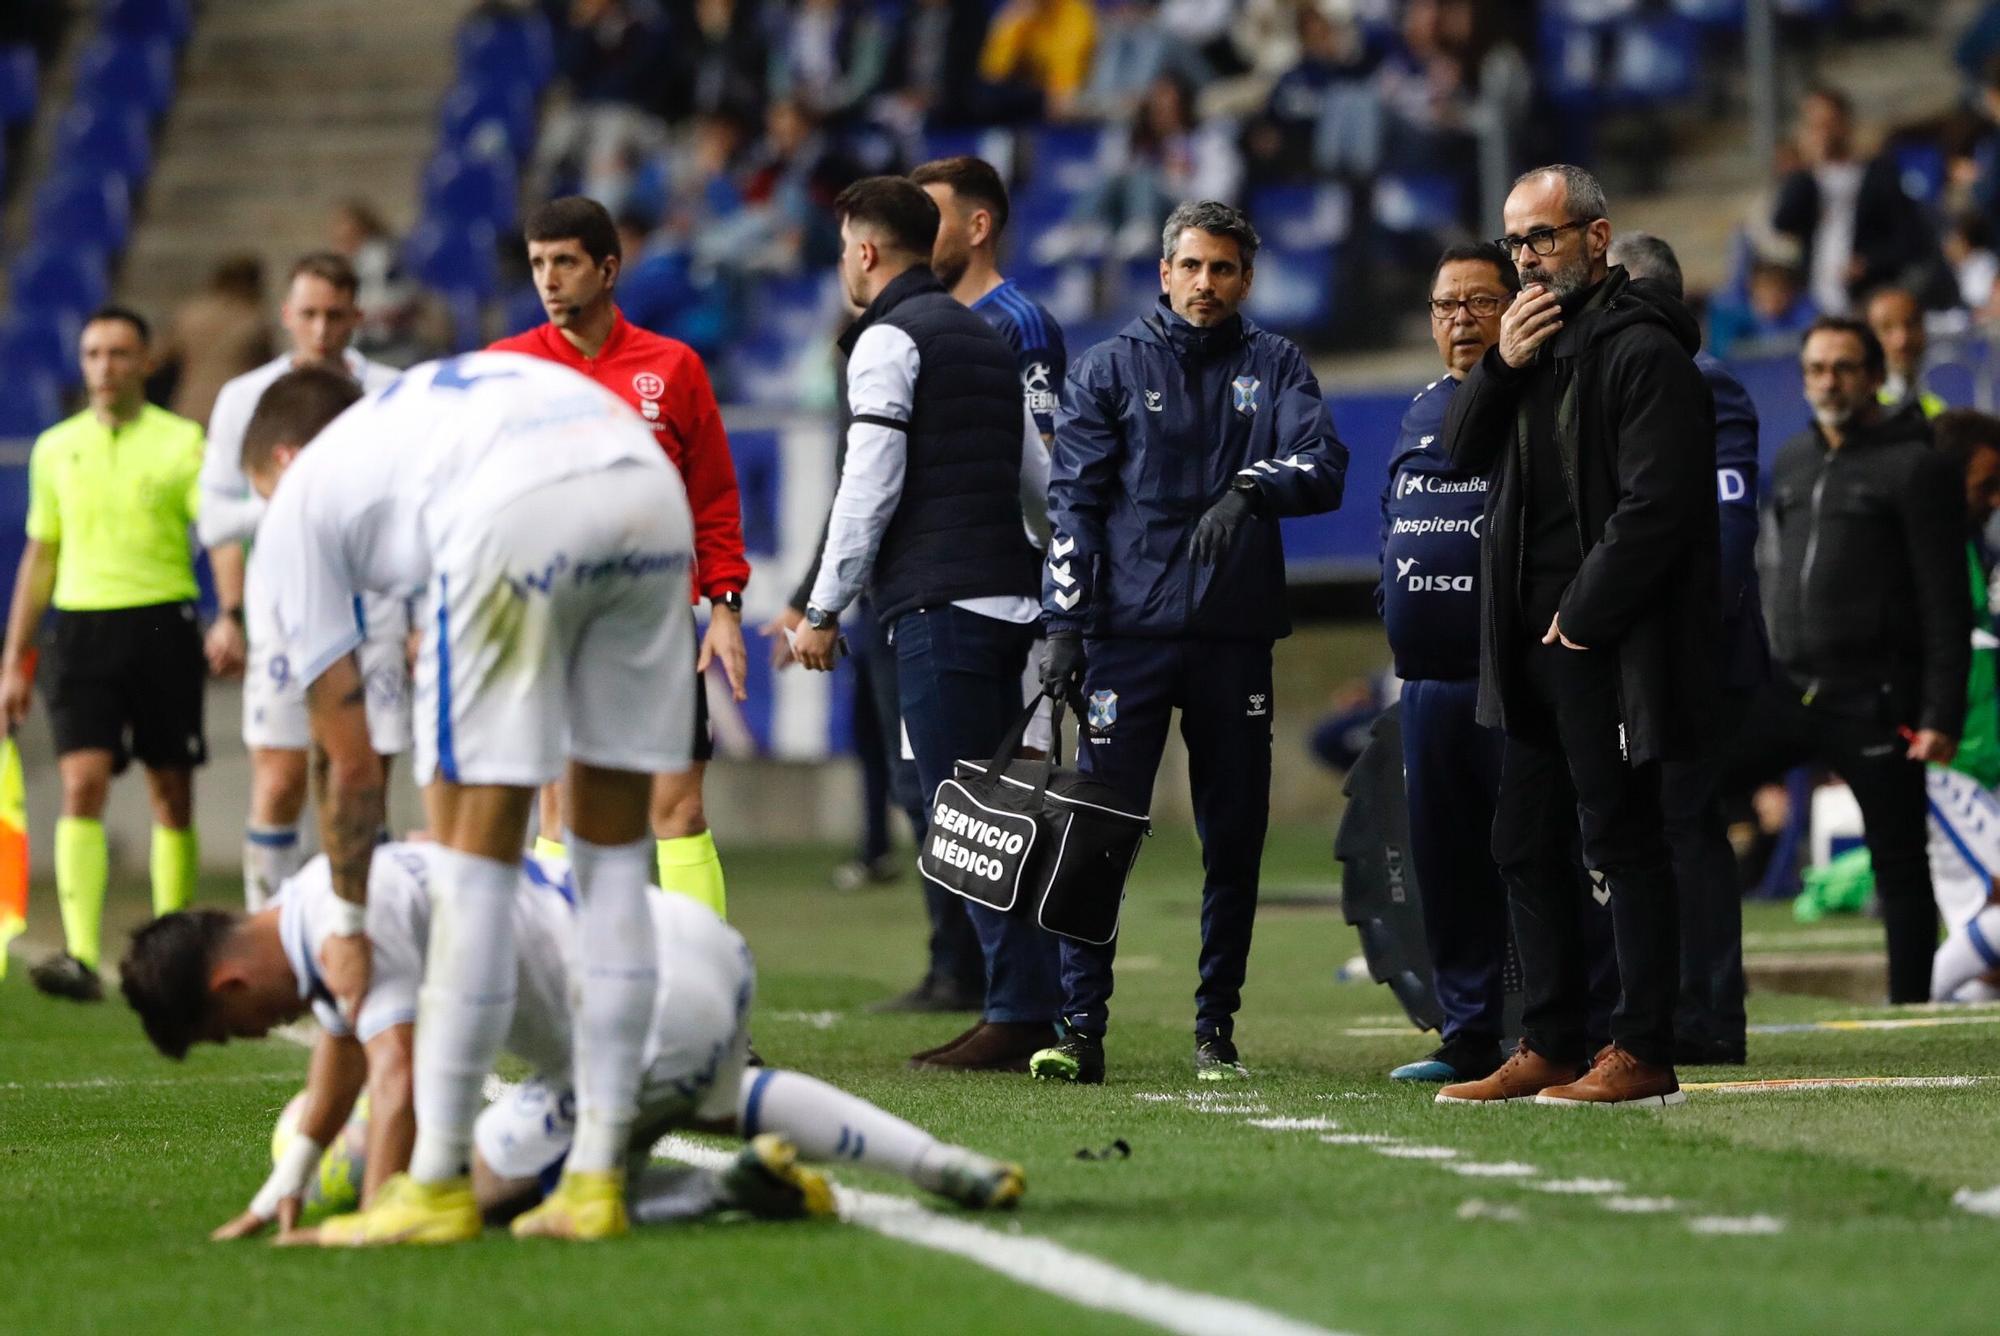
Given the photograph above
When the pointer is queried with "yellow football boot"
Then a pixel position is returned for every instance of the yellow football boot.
(406, 1211)
(583, 1206)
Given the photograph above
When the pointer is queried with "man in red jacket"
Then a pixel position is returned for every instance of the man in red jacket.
(574, 253)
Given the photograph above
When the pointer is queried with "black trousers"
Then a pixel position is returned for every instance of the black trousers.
(1711, 1001)
(1554, 781)
(1852, 734)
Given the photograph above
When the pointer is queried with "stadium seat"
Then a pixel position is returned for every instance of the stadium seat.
(1920, 169)
(1714, 15)
(171, 19)
(127, 72)
(112, 140)
(32, 345)
(1417, 202)
(1659, 59)
(29, 405)
(51, 278)
(85, 210)
(471, 189)
(522, 310)
(454, 257)
(507, 52)
(468, 107)
(1305, 215)
(20, 84)
(1295, 290)
(1066, 159)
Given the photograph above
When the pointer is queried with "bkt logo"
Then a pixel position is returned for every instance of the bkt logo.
(1406, 571)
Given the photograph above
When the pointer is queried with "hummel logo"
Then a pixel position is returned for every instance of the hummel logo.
(1600, 890)
(1152, 401)
(1260, 705)
(1426, 440)
(1061, 547)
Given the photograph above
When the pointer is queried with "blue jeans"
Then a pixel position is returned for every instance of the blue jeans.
(958, 677)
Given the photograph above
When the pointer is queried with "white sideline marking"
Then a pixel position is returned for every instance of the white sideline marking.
(1640, 1205)
(819, 1020)
(1810, 1083)
(1417, 1152)
(1475, 1209)
(1736, 1224)
(1503, 1169)
(1039, 1263)
(1380, 1032)
(1296, 1124)
(119, 1082)
(1578, 1186)
(1979, 1203)
(1361, 1139)
(1229, 1108)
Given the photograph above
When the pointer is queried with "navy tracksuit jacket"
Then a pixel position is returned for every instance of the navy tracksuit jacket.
(1155, 425)
(1429, 601)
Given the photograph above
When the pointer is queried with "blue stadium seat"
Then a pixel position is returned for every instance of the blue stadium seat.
(29, 405)
(58, 277)
(1920, 168)
(20, 84)
(85, 210)
(1295, 290)
(1659, 59)
(1590, 13)
(1303, 216)
(522, 310)
(791, 308)
(32, 345)
(469, 107)
(1715, 15)
(470, 189)
(1417, 202)
(1065, 158)
(127, 72)
(512, 51)
(454, 258)
(113, 140)
(171, 19)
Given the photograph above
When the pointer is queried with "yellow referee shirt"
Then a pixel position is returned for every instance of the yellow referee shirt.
(117, 505)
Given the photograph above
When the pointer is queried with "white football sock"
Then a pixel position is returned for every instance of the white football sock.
(612, 986)
(1970, 951)
(827, 1123)
(270, 854)
(464, 1008)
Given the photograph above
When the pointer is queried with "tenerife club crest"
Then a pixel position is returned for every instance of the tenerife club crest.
(1102, 712)
(1246, 388)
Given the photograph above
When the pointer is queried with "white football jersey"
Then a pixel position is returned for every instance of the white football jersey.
(411, 469)
(229, 508)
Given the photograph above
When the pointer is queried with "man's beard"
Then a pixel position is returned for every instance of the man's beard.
(1833, 417)
(1569, 278)
(948, 269)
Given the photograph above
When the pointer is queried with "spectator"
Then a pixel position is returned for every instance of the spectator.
(1037, 56)
(1426, 87)
(614, 59)
(1869, 623)
(111, 495)
(934, 62)
(1776, 307)
(1898, 322)
(389, 302)
(928, 517)
(1165, 156)
(216, 335)
(1131, 51)
(1323, 117)
(1165, 588)
(719, 59)
(788, 186)
(1968, 249)
(1850, 218)
(1709, 1024)
(1597, 646)
(830, 57)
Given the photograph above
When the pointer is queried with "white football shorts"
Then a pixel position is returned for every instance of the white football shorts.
(556, 628)
(274, 699)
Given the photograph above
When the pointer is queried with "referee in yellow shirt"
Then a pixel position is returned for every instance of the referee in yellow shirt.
(111, 495)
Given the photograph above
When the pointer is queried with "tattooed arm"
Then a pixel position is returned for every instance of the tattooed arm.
(351, 811)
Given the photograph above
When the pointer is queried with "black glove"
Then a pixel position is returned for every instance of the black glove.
(1062, 665)
(1216, 530)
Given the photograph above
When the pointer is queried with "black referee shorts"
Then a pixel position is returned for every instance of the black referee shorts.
(130, 681)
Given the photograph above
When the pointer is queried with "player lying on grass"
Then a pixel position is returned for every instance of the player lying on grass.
(212, 975)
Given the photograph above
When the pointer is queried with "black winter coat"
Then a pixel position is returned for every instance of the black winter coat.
(1639, 451)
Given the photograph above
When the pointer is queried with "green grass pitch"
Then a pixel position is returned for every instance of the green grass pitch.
(115, 1163)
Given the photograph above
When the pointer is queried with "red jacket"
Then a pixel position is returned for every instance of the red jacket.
(664, 381)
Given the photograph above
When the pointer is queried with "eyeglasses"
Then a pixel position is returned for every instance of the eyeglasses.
(1542, 241)
(1481, 307)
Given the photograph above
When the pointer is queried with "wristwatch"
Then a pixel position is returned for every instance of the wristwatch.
(1247, 485)
(820, 618)
(234, 614)
(729, 600)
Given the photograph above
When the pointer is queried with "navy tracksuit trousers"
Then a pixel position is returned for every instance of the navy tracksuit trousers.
(1223, 690)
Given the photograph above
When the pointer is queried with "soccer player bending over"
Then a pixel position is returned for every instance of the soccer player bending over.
(211, 975)
(548, 540)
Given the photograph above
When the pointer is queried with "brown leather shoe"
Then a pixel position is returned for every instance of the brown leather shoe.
(1524, 1075)
(939, 1050)
(994, 1046)
(1618, 1078)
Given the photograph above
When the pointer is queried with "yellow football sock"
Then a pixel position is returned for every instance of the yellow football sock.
(83, 866)
(548, 848)
(176, 859)
(690, 866)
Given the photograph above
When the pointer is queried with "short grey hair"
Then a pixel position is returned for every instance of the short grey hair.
(1582, 191)
(1216, 219)
(1647, 256)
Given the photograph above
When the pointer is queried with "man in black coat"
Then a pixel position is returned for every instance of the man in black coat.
(1870, 623)
(1597, 633)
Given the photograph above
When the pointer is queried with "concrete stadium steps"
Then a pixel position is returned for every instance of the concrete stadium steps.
(287, 107)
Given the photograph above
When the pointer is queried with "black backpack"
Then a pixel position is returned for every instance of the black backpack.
(1015, 834)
